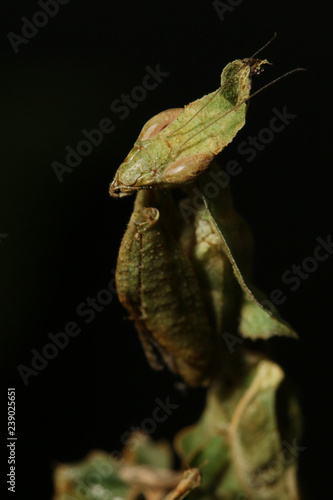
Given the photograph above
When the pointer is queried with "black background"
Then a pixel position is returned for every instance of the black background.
(63, 238)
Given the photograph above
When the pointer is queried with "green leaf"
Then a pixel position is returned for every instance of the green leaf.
(90, 479)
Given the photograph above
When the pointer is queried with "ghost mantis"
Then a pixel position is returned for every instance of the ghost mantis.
(183, 301)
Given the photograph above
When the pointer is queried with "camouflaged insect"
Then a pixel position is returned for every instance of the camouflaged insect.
(185, 285)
